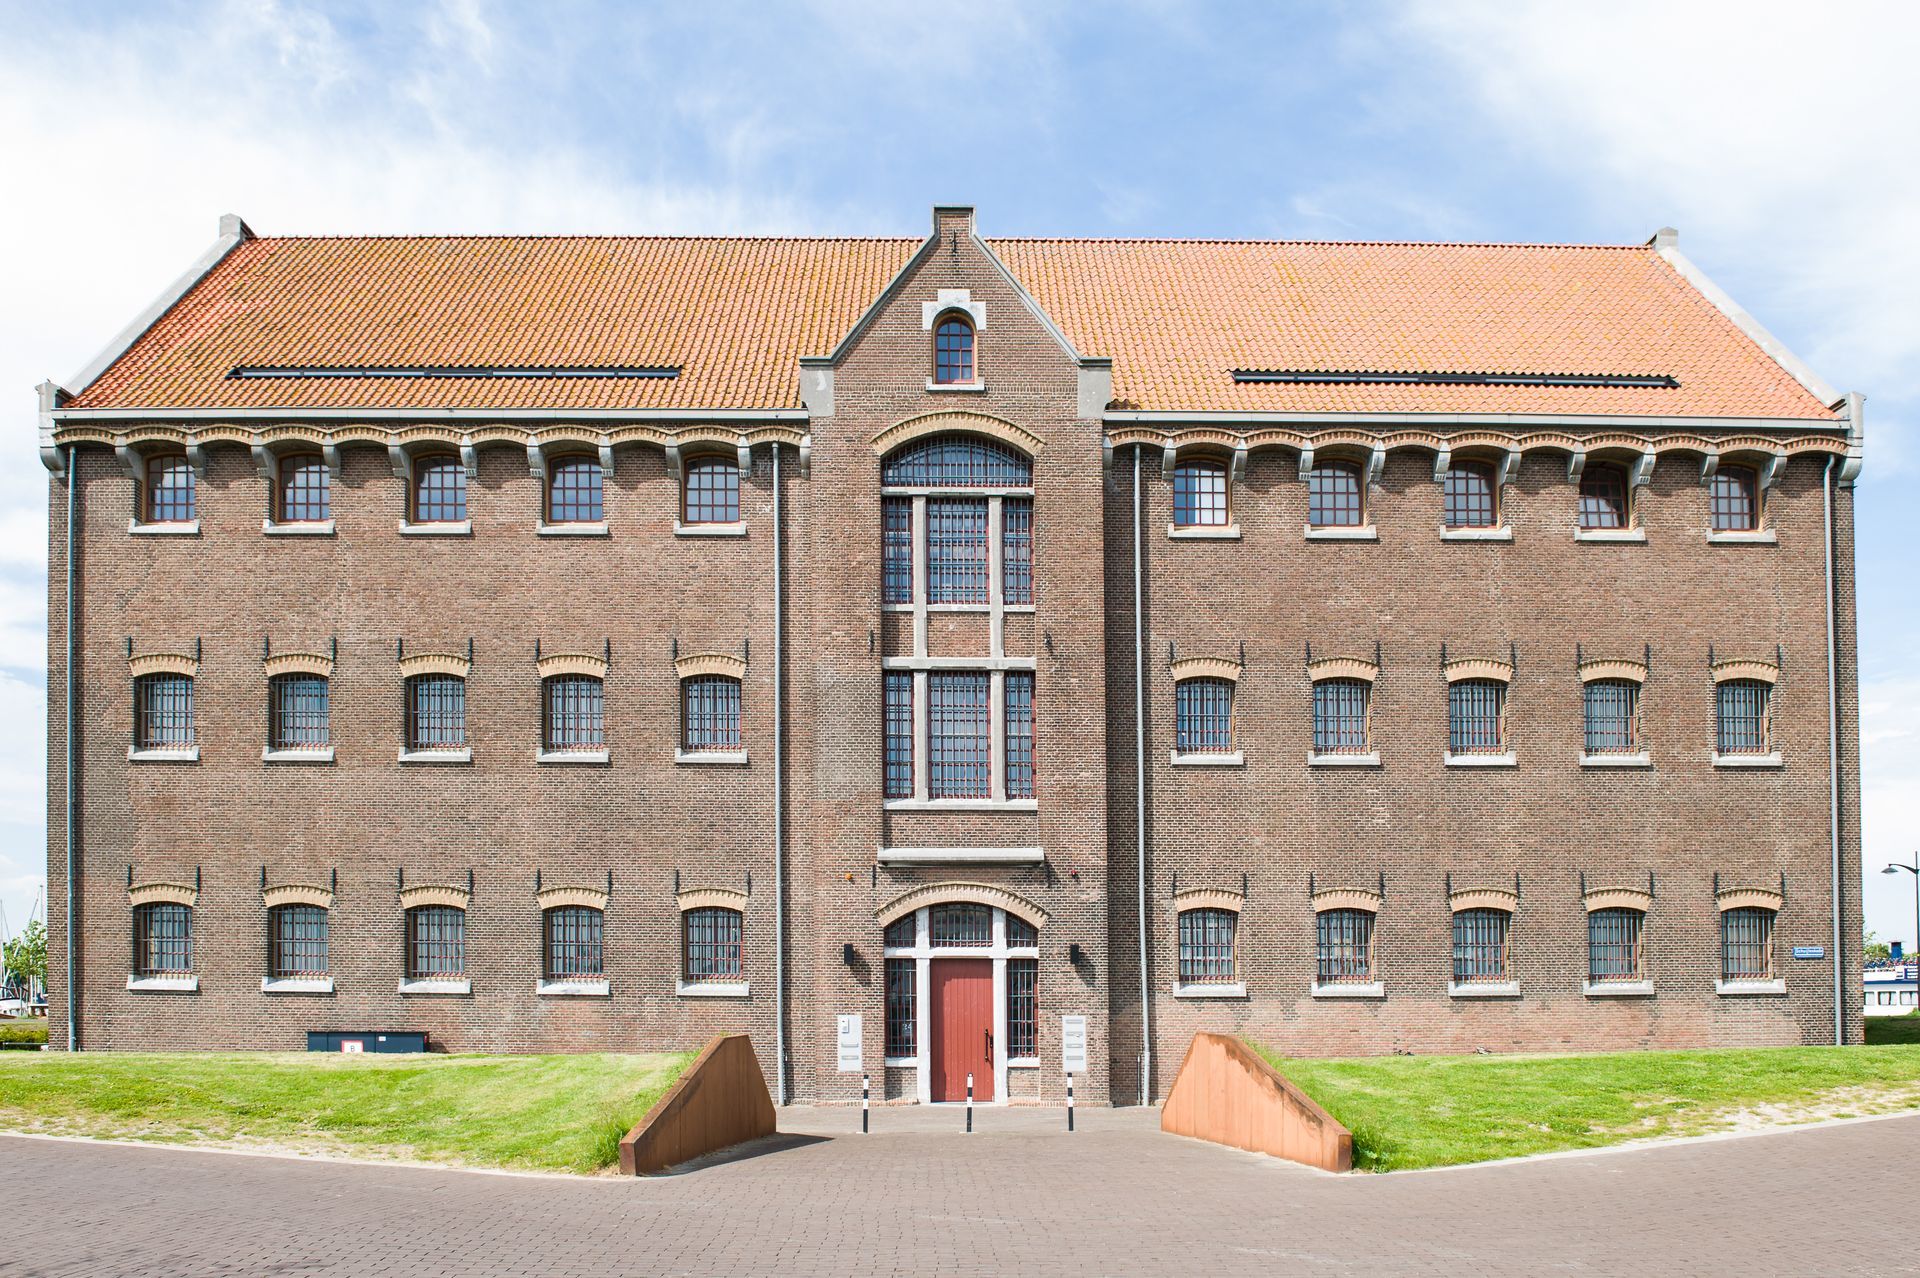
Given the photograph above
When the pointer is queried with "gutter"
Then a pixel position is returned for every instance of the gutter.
(1429, 420)
(81, 415)
(1140, 793)
(73, 1030)
(779, 806)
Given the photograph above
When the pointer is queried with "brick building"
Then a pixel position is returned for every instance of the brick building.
(596, 643)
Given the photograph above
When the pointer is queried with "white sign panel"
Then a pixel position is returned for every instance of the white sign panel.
(849, 1039)
(1073, 1044)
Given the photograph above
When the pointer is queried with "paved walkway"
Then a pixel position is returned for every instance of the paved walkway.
(1018, 1197)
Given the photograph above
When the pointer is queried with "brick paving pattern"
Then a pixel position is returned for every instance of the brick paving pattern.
(1018, 1196)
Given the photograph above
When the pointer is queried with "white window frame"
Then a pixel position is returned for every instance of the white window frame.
(924, 954)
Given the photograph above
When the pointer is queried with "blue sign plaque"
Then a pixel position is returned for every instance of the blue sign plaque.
(1809, 951)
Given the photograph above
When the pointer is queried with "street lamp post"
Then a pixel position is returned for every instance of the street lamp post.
(1913, 958)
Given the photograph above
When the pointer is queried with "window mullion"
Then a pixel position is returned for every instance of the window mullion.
(997, 735)
(922, 755)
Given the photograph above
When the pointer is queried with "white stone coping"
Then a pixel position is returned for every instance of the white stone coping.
(1750, 989)
(1754, 537)
(961, 856)
(312, 754)
(463, 755)
(947, 388)
(583, 528)
(296, 985)
(172, 754)
(580, 987)
(1342, 532)
(573, 756)
(1371, 759)
(1023, 1062)
(1504, 759)
(1204, 532)
(710, 756)
(1771, 759)
(439, 985)
(961, 805)
(1500, 532)
(1634, 759)
(900, 1062)
(185, 983)
(447, 528)
(1617, 989)
(1220, 989)
(713, 989)
(1483, 989)
(1610, 534)
(181, 528)
(1207, 758)
(735, 528)
(305, 528)
(1350, 989)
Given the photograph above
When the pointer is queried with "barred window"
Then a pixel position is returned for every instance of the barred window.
(1023, 979)
(439, 489)
(1480, 945)
(163, 711)
(952, 350)
(297, 942)
(712, 491)
(162, 939)
(1471, 496)
(900, 934)
(1746, 944)
(573, 935)
(898, 745)
(1199, 495)
(1476, 716)
(574, 494)
(1335, 496)
(1203, 716)
(1206, 947)
(170, 490)
(1733, 498)
(902, 1020)
(1016, 550)
(1613, 945)
(711, 713)
(896, 546)
(960, 924)
(1741, 711)
(575, 713)
(1021, 935)
(712, 945)
(303, 492)
(958, 735)
(436, 942)
(436, 712)
(956, 550)
(297, 712)
(1343, 943)
(1612, 713)
(1019, 743)
(956, 461)
(1340, 716)
(1603, 497)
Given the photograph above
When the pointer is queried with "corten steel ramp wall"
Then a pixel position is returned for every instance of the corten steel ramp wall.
(1226, 1094)
(721, 1100)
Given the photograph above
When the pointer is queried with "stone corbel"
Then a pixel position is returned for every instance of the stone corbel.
(806, 455)
(1641, 473)
(330, 454)
(1442, 461)
(1306, 462)
(197, 457)
(129, 459)
(606, 458)
(1771, 470)
(673, 461)
(536, 459)
(397, 458)
(1509, 466)
(1237, 473)
(1708, 465)
(469, 457)
(1576, 463)
(745, 451)
(1376, 462)
(1167, 458)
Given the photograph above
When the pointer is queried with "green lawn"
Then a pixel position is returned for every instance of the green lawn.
(1432, 1111)
(545, 1113)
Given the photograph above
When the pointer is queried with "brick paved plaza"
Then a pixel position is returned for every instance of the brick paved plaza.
(1019, 1196)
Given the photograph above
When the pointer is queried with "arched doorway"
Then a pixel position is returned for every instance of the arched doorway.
(962, 997)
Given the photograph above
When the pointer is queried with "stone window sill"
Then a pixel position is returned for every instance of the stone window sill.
(185, 754)
(445, 985)
(1756, 537)
(1371, 759)
(1638, 759)
(314, 528)
(710, 756)
(738, 528)
(296, 985)
(962, 805)
(1204, 532)
(1225, 989)
(1351, 989)
(185, 528)
(961, 856)
(583, 988)
(1617, 989)
(901, 1062)
(1023, 1062)
(1769, 760)
(963, 388)
(452, 528)
(1358, 532)
(322, 755)
(585, 528)
(1207, 759)
(185, 984)
(1746, 989)
(463, 755)
(1502, 533)
(1505, 760)
(1483, 989)
(1610, 534)
(713, 989)
(574, 756)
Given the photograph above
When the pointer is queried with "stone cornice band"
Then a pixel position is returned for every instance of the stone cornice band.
(296, 894)
(1322, 668)
(1204, 668)
(1208, 899)
(163, 663)
(710, 663)
(1346, 899)
(972, 893)
(170, 893)
(1479, 668)
(414, 897)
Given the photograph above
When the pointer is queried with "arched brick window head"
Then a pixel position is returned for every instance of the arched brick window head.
(953, 350)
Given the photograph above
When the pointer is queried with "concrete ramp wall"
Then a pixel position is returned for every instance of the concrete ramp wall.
(721, 1100)
(1227, 1094)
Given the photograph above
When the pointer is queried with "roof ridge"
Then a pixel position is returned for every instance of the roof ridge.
(1175, 239)
(512, 235)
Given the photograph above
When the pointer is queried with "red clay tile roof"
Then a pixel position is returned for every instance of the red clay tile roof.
(735, 315)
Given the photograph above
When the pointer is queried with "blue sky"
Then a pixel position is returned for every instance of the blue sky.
(1778, 138)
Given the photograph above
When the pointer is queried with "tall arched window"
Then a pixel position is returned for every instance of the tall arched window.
(924, 522)
(953, 350)
(1613, 945)
(439, 490)
(711, 491)
(297, 712)
(572, 949)
(1207, 947)
(1746, 944)
(1480, 946)
(1336, 496)
(1734, 499)
(1340, 718)
(712, 946)
(1343, 946)
(1203, 716)
(575, 713)
(1476, 716)
(1741, 717)
(1612, 716)
(169, 495)
(574, 491)
(162, 939)
(163, 712)
(436, 942)
(303, 491)
(296, 942)
(710, 718)
(436, 712)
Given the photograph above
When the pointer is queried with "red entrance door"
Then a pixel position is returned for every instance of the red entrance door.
(962, 1028)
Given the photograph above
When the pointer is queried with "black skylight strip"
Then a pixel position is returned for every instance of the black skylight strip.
(258, 372)
(1314, 377)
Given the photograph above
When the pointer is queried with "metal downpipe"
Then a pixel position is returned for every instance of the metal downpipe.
(1140, 792)
(779, 806)
(73, 1029)
(1833, 755)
